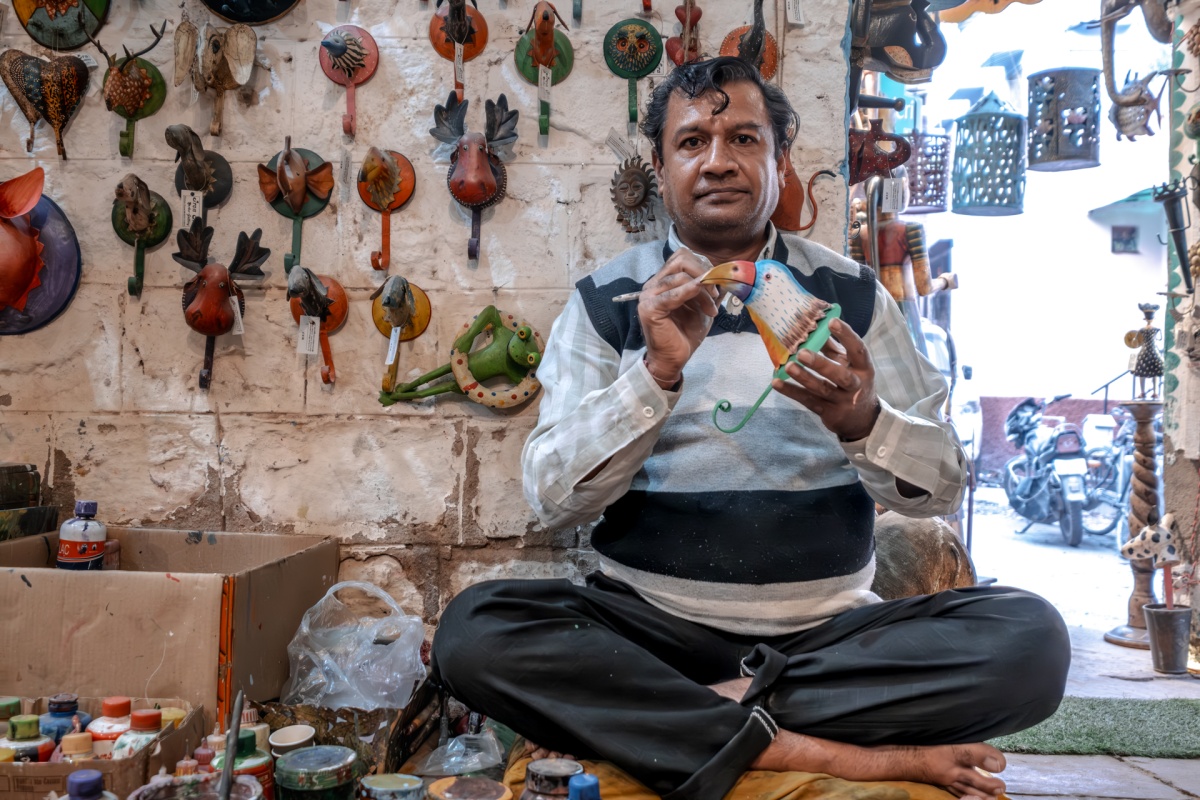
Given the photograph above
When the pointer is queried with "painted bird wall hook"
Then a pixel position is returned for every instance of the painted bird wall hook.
(788, 318)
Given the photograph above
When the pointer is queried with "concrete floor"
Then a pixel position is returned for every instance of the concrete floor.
(1089, 585)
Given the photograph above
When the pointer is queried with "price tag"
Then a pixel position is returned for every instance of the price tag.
(893, 195)
(310, 333)
(193, 206)
(393, 347)
(238, 328)
(620, 146)
(345, 166)
(545, 80)
(86, 58)
(795, 14)
(458, 64)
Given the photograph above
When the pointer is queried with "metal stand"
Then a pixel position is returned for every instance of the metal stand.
(1143, 511)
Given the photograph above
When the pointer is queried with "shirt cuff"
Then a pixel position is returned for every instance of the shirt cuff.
(644, 398)
(877, 446)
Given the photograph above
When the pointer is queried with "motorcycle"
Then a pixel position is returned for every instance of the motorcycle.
(1047, 481)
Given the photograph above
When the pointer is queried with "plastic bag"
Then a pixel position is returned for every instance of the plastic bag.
(344, 657)
(471, 752)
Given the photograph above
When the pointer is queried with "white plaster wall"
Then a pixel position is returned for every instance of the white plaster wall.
(426, 497)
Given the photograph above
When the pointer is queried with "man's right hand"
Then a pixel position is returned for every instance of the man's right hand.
(676, 312)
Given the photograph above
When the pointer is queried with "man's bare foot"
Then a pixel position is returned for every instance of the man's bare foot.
(536, 751)
(952, 766)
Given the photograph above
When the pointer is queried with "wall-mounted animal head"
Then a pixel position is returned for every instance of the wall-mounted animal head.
(127, 84)
(293, 181)
(523, 348)
(314, 297)
(477, 178)
(397, 300)
(458, 27)
(346, 51)
(226, 61)
(868, 159)
(197, 172)
(206, 306)
(541, 50)
(134, 195)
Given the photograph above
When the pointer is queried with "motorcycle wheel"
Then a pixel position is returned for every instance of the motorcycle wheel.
(1070, 523)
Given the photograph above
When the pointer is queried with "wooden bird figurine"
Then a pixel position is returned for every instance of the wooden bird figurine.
(346, 51)
(458, 27)
(381, 174)
(314, 297)
(397, 300)
(197, 172)
(292, 179)
(133, 192)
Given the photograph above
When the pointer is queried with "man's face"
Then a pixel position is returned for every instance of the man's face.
(718, 174)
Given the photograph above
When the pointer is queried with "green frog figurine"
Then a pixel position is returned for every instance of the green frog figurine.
(514, 352)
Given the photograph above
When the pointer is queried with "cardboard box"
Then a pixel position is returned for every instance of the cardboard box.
(190, 614)
(35, 781)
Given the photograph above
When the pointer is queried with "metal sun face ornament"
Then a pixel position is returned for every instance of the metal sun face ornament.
(632, 50)
(633, 191)
(349, 57)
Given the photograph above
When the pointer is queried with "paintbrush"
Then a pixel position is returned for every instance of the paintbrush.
(231, 739)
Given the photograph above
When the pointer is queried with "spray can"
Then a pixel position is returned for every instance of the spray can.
(81, 539)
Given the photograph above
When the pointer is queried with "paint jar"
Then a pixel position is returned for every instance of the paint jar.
(324, 772)
(87, 784)
(547, 778)
(262, 731)
(395, 786)
(144, 727)
(186, 766)
(583, 787)
(468, 789)
(172, 717)
(60, 719)
(108, 727)
(77, 747)
(81, 539)
(26, 741)
(204, 756)
(9, 707)
(197, 787)
(249, 760)
(291, 737)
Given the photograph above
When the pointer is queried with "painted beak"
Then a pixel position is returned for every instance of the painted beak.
(736, 277)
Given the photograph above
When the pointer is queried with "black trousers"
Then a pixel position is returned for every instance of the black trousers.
(597, 672)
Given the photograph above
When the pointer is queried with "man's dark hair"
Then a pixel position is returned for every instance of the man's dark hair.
(699, 78)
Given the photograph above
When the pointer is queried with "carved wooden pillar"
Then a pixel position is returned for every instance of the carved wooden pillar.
(1143, 511)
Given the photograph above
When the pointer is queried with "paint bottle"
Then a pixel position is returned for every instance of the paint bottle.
(249, 760)
(583, 787)
(60, 719)
(26, 741)
(262, 731)
(172, 717)
(9, 707)
(204, 757)
(77, 747)
(108, 727)
(144, 727)
(468, 789)
(216, 740)
(81, 539)
(87, 784)
(548, 778)
(186, 766)
(324, 772)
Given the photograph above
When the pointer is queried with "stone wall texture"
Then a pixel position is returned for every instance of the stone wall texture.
(426, 498)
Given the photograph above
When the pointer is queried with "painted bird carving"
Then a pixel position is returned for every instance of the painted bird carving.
(313, 295)
(458, 26)
(381, 174)
(292, 179)
(197, 172)
(782, 311)
(345, 51)
(134, 194)
(398, 302)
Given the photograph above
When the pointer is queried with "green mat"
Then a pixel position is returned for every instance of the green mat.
(1089, 726)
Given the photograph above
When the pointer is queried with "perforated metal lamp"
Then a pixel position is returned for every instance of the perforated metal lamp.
(928, 172)
(989, 160)
(1064, 119)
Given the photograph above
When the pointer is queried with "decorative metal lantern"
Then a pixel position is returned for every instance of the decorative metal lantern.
(1064, 119)
(928, 172)
(989, 160)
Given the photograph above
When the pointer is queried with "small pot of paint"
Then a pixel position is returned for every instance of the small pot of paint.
(395, 786)
(290, 738)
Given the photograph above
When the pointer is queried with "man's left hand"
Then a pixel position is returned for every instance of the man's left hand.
(837, 384)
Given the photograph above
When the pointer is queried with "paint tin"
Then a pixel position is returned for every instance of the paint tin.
(549, 778)
(172, 717)
(81, 539)
(324, 772)
(395, 786)
(198, 787)
(468, 789)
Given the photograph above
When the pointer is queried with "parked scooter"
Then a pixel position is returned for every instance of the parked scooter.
(1046, 482)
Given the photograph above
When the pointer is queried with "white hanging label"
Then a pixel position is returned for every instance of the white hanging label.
(545, 80)
(193, 206)
(86, 58)
(893, 195)
(310, 333)
(238, 329)
(620, 146)
(393, 346)
(458, 64)
(795, 14)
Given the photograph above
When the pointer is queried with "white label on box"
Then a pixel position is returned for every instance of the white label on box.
(238, 329)
(795, 14)
(545, 80)
(86, 58)
(310, 333)
(893, 195)
(193, 206)
(620, 146)
(458, 64)
(393, 347)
